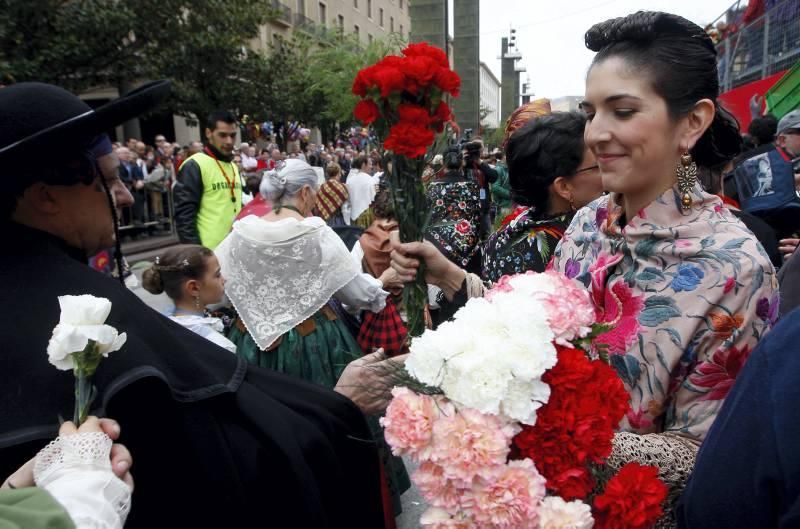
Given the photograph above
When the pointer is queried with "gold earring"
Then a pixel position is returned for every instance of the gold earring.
(197, 302)
(687, 178)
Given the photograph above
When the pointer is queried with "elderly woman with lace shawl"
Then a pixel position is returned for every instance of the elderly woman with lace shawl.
(281, 271)
(685, 287)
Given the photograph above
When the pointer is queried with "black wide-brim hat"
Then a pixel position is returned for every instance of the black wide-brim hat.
(39, 119)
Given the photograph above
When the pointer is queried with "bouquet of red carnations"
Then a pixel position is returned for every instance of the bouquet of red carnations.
(520, 416)
(403, 99)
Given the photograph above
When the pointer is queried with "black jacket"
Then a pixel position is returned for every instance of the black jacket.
(216, 443)
(187, 193)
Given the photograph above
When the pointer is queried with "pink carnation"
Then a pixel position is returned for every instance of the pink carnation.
(509, 499)
(470, 443)
(408, 424)
(502, 285)
(434, 486)
(570, 310)
(441, 519)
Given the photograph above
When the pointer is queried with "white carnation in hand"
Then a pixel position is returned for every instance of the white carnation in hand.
(82, 319)
(555, 513)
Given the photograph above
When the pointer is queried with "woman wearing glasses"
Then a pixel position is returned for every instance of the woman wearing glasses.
(552, 175)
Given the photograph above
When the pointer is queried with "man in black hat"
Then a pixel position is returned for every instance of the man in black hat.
(216, 443)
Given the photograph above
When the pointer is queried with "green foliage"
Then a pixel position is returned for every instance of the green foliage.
(203, 46)
(333, 67)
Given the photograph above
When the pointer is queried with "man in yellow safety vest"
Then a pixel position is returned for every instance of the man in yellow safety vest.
(208, 190)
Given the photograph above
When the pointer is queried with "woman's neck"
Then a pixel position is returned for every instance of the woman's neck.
(285, 211)
(188, 307)
(634, 203)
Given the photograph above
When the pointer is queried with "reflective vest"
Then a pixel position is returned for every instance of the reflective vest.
(217, 211)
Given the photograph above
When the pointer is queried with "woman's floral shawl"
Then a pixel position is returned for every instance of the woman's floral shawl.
(687, 296)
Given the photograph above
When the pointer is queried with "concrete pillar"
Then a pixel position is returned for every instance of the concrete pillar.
(466, 58)
(429, 22)
(508, 82)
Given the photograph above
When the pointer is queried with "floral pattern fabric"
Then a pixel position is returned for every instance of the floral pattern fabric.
(687, 294)
(455, 219)
(525, 243)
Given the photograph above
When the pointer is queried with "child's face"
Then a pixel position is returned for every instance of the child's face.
(212, 284)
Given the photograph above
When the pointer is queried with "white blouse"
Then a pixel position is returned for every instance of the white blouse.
(207, 327)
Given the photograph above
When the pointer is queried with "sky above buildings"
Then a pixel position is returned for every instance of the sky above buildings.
(550, 34)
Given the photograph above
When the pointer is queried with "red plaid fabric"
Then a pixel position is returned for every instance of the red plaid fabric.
(384, 329)
(330, 197)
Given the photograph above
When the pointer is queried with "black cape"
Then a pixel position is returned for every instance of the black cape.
(215, 442)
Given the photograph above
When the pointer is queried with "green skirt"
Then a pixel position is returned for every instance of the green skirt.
(321, 356)
(318, 357)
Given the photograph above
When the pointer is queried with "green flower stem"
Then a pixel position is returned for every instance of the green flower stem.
(86, 362)
(411, 210)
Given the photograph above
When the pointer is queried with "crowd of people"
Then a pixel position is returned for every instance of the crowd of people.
(257, 397)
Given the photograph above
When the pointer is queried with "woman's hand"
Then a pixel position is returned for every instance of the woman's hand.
(368, 381)
(390, 279)
(121, 459)
(439, 270)
(787, 247)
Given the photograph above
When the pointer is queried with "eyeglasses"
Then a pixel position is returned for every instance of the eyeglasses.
(585, 169)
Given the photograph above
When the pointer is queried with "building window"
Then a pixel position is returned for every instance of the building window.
(401, 30)
(380, 17)
(301, 7)
(357, 30)
(341, 22)
(369, 38)
(401, 4)
(323, 14)
(391, 24)
(355, 4)
(369, 8)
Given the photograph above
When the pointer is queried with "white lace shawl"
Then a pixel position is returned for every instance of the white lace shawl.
(278, 274)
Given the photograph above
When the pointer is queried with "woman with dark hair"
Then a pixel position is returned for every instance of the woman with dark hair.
(552, 174)
(688, 289)
(685, 288)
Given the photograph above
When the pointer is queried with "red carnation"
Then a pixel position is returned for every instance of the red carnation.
(387, 77)
(363, 82)
(423, 49)
(575, 428)
(367, 111)
(632, 499)
(447, 81)
(409, 139)
(442, 113)
(420, 71)
(415, 114)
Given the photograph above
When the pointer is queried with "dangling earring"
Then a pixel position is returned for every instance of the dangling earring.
(197, 302)
(687, 178)
(571, 203)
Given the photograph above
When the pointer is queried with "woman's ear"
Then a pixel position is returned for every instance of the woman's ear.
(697, 121)
(192, 288)
(562, 187)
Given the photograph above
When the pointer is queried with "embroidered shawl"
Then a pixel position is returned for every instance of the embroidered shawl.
(688, 295)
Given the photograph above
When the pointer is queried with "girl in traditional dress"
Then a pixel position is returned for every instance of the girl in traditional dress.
(190, 275)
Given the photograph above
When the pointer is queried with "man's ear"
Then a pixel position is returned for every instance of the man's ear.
(41, 198)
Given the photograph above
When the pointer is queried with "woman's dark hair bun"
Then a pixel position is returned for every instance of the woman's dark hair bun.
(152, 282)
(643, 26)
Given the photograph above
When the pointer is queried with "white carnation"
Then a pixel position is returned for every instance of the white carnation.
(523, 399)
(555, 513)
(82, 319)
